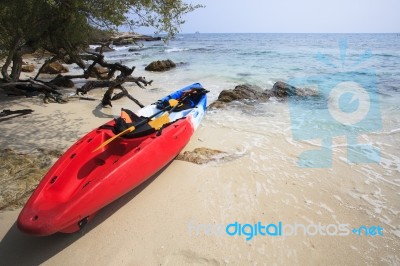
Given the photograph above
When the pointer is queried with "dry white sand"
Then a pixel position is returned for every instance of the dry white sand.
(167, 220)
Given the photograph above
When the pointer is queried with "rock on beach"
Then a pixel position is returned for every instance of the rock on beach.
(55, 68)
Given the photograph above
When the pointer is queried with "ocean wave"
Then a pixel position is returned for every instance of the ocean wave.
(257, 53)
(387, 55)
(244, 74)
(120, 48)
(177, 50)
(120, 56)
(144, 48)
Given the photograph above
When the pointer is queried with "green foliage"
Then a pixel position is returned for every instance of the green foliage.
(27, 25)
(67, 25)
(163, 15)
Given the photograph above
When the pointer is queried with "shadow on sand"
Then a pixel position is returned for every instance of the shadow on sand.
(97, 112)
(17, 248)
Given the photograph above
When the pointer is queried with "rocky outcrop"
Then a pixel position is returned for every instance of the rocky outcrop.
(246, 92)
(240, 93)
(283, 90)
(54, 68)
(243, 92)
(126, 38)
(160, 66)
(205, 155)
(125, 41)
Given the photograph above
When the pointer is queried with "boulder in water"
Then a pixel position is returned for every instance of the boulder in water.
(160, 66)
(240, 93)
(246, 92)
(283, 90)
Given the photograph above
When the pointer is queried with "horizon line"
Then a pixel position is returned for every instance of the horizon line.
(198, 32)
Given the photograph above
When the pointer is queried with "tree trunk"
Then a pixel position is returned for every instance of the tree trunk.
(17, 67)
(4, 69)
(11, 55)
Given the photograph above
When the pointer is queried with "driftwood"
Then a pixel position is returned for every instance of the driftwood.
(9, 114)
(25, 87)
(50, 89)
(125, 76)
(113, 84)
(107, 98)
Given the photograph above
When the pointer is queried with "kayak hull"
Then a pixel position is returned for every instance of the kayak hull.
(82, 182)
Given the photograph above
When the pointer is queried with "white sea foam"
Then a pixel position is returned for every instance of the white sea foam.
(175, 50)
(121, 48)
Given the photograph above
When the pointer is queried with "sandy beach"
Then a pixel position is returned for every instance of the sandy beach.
(175, 218)
(172, 218)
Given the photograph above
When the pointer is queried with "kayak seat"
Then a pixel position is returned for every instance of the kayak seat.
(192, 101)
(186, 104)
(128, 119)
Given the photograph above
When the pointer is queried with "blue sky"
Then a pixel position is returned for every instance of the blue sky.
(292, 16)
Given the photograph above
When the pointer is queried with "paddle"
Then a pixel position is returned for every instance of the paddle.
(173, 103)
(164, 119)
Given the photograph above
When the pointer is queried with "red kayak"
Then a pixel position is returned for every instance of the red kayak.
(87, 178)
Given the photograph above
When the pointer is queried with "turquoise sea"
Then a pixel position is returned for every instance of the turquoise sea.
(262, 59)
